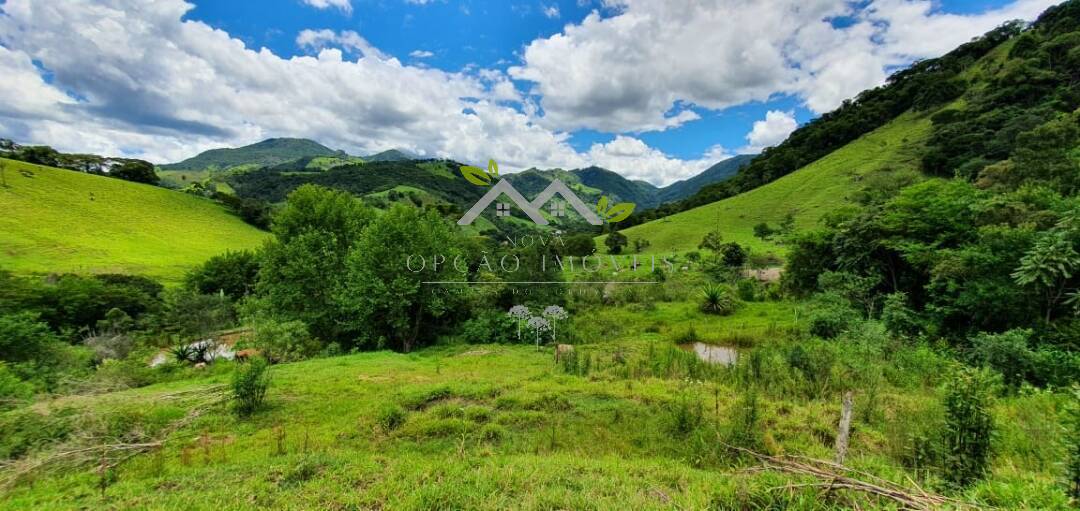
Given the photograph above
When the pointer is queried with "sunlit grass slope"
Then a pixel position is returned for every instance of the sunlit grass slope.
(808, 193)
(57, 220)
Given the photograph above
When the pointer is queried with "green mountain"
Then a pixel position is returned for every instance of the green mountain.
(59, 220)
(592, 182)
(390, 155)
(722, 171)
(268, 152)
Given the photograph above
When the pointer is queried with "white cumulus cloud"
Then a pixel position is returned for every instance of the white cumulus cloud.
(638, 69)
(770, 131)
(344, 5)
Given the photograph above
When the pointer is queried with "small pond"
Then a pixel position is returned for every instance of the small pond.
(713, 353)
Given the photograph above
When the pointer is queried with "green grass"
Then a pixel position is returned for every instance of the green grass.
(808, 193)
(496, 427)
(50, 224)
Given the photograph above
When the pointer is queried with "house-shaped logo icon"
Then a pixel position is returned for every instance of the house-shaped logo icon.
(531, 209)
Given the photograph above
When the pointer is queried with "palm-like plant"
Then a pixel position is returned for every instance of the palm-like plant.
(717, 300)
(182, 353)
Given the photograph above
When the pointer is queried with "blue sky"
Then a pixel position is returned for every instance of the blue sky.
(654, 90)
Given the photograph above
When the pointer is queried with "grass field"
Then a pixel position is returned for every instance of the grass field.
(502, 426)
(808, 193)
(64, 221)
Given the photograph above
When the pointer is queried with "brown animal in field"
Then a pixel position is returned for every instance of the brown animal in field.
(562, 350)
(200, 365)
(243, 355)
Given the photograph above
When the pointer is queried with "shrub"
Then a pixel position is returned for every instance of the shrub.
(1072, 441)
(831, 318)
(489, 327)
(250, 383)
(684, 416)
(968, 425)
(282, 341)
(898, 317)
(746, 424)
(1007, 353)
(493, 432)
(110, 346)
(232, 273)
(718, 300)
(12, 389)
(390, 417)
(747, 290)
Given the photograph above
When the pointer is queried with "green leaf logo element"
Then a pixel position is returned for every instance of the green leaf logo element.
(493, 168)
(601, 206)
(619, 212)
(475, 175)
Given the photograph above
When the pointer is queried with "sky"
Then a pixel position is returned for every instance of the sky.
(655, 90)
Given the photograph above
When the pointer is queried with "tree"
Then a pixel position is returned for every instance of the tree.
(385, 298)
(138, 171)
(732, 254)
(301, 273)
(1048, 266)
(712, 241)
(763, 231)
(579, 245)
(640, 244)
(232, 273)
(615, 242)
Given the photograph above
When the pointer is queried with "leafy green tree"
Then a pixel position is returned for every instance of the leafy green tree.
(1048, 266)
(138, 171)
(615, 242)
(302, 269)
(232, 273)
(579, 245)
(25, 338)
(713, 240)
(733, 254)
(384, 295)
(969, 426)
(196, 315)
(763, 231)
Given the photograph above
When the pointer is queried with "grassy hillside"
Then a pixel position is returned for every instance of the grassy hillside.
(808, 193)
(64, 221)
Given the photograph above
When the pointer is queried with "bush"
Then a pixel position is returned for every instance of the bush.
(1072, 442)
(232, 273)
(1007, 353)
(282, 340)
(13, 390)
(747, 290)
(898, 317)
(390, 417)
(489, 327)
(250, 383)
(718, 300)
(684, 416)
(831, 318)
(968, 425)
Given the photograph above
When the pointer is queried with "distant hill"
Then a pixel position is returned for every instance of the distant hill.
(591, 182)
(268, 152)
(391, 155)
(59, 220)
(720, 172)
